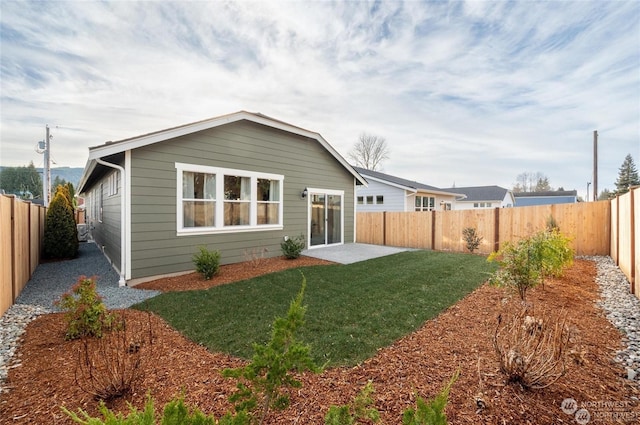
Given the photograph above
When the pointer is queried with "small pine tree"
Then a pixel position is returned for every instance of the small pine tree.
(60, 232)
(627, 176)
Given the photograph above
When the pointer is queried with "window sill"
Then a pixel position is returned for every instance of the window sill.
(228, 229)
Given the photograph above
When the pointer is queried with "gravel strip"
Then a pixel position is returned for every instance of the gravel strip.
(48, 283)
(623, 311)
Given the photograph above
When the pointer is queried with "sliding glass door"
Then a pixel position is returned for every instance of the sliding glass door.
(325, 217)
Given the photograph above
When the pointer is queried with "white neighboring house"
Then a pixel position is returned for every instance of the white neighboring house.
(390, 193)
(478, 197)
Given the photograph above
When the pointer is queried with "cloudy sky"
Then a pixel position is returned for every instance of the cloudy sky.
(465, 93)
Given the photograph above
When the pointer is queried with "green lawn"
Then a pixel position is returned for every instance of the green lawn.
(352, 309)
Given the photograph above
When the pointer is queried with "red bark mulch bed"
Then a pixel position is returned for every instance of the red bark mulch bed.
(418, 364)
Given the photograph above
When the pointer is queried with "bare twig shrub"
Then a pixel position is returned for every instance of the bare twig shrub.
(255, 257)
(533, 350)
(108, 367)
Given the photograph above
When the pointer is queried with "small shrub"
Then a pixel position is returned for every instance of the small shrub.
(430, 412)
(255, 257)
(533, 350)
(110, 366)
(472, 239)
(85, 313)
(207, 262)
(525, 264)
(175, 413)
(262, 381)
(60, 231)
(292, 247)
(360, 409)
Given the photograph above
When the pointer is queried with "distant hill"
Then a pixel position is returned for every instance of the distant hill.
(70, 174)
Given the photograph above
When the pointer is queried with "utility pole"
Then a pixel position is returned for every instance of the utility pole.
(595, 165)
(46, 175)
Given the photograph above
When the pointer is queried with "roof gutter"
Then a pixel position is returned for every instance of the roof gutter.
(122, 281)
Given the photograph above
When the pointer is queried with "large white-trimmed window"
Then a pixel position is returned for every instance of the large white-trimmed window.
(213, 199)
(425, 203)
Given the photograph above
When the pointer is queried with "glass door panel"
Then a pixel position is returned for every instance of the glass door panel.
(334, 219)
(318, 219)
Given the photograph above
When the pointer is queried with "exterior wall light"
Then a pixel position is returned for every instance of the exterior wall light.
(304, 193)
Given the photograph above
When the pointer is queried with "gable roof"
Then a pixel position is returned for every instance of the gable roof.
(120, 146)
(405, 184)
(549, 193)
(481, 193)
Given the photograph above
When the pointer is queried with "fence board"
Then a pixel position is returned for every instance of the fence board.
(370, 228)
(412, 229)
(6, 263)
(34, 238)
(21, 263)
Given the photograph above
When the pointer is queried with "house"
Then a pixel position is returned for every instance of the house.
(389, 193)
(237, 183)
(483, 197)
(525, 199)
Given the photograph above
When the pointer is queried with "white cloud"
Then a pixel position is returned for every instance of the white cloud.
(470, 92)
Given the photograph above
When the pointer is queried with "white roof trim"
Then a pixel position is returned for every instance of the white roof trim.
(410, 189)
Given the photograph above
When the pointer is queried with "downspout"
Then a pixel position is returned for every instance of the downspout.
(123, 233)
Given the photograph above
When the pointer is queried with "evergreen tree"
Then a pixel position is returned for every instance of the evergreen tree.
(627, 176)
(25, 182)
(60, 232)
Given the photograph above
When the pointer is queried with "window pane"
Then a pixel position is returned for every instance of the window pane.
(425, 202)
(360, 200)
(369, 199)
(268, 213)
(198, 185)
(198, 214)
(236, 213)
(432, 202)
(237, 188)
(379, 199)
(268, 190)
(418, 202)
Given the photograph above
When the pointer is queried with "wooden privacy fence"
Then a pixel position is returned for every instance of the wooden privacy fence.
(21, 234)
(625, 244)
(588, 224)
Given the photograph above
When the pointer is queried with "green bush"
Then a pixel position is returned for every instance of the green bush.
(85, 313)
(292, 247)
(359, 410)
(207, 262)
(261, 382)
(525, 264)
(431, 412)
(471, 237)
(175, 413)
(60, 231)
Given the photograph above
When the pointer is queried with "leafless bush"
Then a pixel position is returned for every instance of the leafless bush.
(533, 350)
(255, 257)
(108, 367)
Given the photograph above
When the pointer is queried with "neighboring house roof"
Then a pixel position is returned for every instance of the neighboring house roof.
(410, 185)
(481, 193)
(546, 194)
(112, 148)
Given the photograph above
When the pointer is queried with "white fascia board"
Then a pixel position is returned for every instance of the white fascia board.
(388, 183)
(88, 170)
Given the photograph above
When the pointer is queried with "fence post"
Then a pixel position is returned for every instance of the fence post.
(13, 251)
(496, 229)
(617, 230)
(632, 226)
(384, 228)
(433, 229)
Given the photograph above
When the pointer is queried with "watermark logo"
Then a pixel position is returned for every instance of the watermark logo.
(569, 406)
(600, 411)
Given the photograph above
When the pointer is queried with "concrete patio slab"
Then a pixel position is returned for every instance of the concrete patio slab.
(352, 252)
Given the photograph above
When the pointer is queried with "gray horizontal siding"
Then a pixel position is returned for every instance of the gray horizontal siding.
(155, 248)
